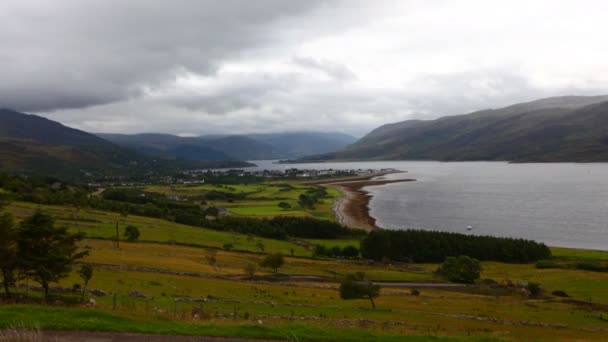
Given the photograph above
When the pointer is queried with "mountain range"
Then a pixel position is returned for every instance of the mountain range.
(32, 144)
(557, 129)
(234, 147)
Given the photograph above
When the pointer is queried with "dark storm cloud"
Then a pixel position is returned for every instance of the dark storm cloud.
(72, 54)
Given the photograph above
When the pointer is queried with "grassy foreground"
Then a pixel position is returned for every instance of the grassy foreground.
(170, 268)
(58, 318)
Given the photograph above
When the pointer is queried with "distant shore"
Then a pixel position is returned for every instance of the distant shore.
(352, 209)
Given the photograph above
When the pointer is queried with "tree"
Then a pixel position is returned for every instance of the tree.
(8, 251)
(45, 253)
(250, 269)
(86, 273)
(355, 286)
(131, 233)
(284, 205)
(274, 261)
(260, 245)
(461, 269)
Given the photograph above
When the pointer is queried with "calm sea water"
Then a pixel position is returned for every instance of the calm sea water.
(560, 204)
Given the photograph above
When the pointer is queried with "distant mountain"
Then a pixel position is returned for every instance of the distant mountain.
(234, 147)
(558, 129)
(35, 145)
(299, 144)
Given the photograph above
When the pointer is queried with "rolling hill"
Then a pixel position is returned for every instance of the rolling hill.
(32, 144)
(559, 129)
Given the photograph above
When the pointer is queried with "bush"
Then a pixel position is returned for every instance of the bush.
(132, 233)
(535, 289)
(228, 246)
(560, 293)
(591, 266)
(346, 252)
(542, 264)
(415, 292)
(462, 269)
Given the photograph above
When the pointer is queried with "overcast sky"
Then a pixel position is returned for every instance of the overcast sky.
(230, 66)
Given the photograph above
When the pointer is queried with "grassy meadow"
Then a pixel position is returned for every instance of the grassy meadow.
(260, 200)
(190, 284)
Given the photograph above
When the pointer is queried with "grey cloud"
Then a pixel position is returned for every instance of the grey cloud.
(258, 102)
(335, 70)
(72, 54)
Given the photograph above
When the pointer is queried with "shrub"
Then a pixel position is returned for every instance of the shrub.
(131, 233)
(591, 266)
(462, 269)
(547, 264)
(415, 292)
(558, 293)
(535, 289)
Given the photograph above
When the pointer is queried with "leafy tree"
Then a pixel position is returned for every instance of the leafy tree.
(461, 269)
(260, 245)
(46, 253)
(274, 261)
(284, 205)
(355, 286)
(86, 273)
(8, 251)
(228, 246)
(131, 233)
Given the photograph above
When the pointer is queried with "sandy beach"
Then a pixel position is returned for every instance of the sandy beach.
(352, 209)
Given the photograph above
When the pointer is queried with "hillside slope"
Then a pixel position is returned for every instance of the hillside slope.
(558, 129)
(31, 144)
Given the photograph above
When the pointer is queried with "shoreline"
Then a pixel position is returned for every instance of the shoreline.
(352, 209)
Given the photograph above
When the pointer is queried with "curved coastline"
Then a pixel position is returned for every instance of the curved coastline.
(352, 209)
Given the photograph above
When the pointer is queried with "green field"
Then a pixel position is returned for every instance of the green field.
(261, 200)
(170, 265)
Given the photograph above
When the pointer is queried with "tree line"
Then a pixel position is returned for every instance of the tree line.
(282, 227)
(433, 246)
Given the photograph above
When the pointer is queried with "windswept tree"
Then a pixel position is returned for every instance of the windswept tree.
(46, 253)
(355, 286)
(8, 251)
